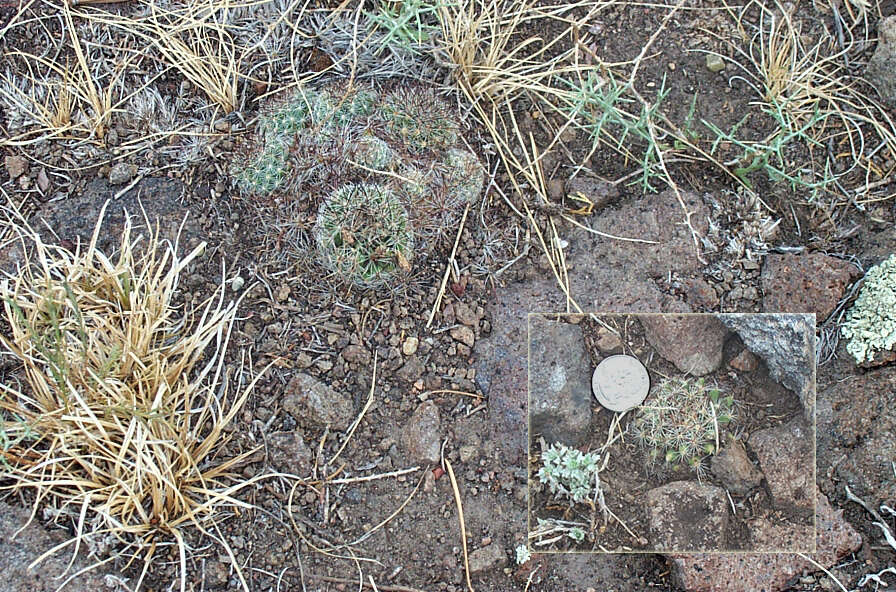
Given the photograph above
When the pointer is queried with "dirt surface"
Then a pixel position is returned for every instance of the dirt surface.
(382, 509)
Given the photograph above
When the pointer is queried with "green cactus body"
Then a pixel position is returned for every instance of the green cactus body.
(420, 119)
(678, 424)
(363, 233)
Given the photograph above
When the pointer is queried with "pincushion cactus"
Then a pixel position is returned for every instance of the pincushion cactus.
(679, 424)
(363, 233)
(870, 324)
(404, 142)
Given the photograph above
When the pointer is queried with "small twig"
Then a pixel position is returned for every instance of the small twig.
(438, 303)
(460, 518)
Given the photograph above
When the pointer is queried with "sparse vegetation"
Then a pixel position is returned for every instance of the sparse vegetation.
(122, 412)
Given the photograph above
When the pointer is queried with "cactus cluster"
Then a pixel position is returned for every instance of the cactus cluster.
(569, 472)
(385, 168)
(363, 232)
(678, 425)
(870, 324)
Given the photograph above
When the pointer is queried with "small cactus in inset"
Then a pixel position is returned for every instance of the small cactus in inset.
(363, 233)
(679, 424)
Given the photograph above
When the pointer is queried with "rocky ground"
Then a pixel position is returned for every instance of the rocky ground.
(453, 386)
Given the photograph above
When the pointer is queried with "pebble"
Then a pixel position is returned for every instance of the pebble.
(122, 173)
(16, 166)
(464, 335)
(466, 315)
(714, 63)
(410, 345)
(467, 453)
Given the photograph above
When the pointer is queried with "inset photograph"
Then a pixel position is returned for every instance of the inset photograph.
(671, 433)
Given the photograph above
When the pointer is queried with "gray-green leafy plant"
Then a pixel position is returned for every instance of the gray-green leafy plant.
(569, 472)
(680, 423)
(603, 108)
(870, 324)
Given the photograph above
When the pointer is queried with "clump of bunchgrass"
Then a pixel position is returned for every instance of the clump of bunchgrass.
(123, 399)
(870, 324)
(363, 234)
(680, 424)
(569, 472)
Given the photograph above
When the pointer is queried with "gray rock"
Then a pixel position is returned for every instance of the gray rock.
(785, 455)
(16, 166)
(313, 403)
(745, 361)
(787, 344)
(16, 554)
(734, 468)
(356, 354)
(769, 572)
(559, 382)
(881, 72)
(122, 173)
(464, 335)
(487, 559)
(74, 218)
(604, 274)
(692, 342)
(608, 342)
(288, 452)
(411, 370)
(422, 436)
(687, 516)
(599, 192)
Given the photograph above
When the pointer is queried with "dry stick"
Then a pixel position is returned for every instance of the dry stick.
(438, 302)
(460, 518)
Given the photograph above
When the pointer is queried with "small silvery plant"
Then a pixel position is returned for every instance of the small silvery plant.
(522, 554)
(870, 324)
(569, 472)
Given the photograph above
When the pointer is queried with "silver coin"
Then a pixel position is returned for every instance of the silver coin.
(620, 383)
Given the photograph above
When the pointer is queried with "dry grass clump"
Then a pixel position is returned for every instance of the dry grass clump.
(123, 397)
(806, 84)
